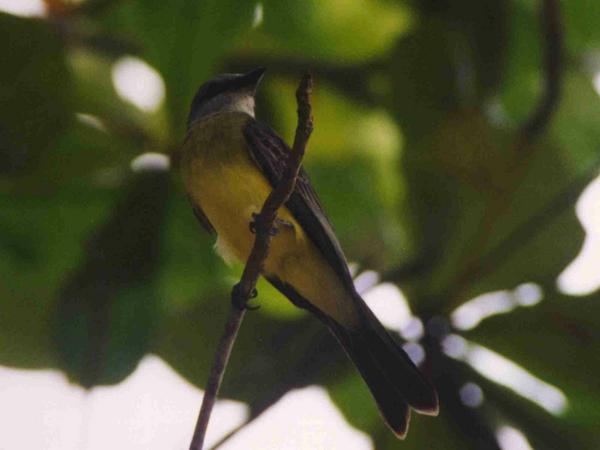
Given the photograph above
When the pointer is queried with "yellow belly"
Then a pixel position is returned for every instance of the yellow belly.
(228, 191)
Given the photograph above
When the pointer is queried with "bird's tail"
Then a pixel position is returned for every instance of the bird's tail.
(393, 379)
(391, 376)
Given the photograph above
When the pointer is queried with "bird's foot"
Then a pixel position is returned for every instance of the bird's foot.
(239, 300)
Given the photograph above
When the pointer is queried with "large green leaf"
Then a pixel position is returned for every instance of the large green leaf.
(581, 18)
(41, 240)
(453, 59)
(489, 208)
(556, 340)
(95, 94)
(270, 356)
(183, 39)
(544, 431)
(338, 30)
(108, 307)
(34, 91)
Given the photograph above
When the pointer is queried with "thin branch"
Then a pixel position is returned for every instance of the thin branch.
(553, 65)
(232, 433)
(264, 227)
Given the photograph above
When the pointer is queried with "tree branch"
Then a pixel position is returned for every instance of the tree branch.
(553, 40)
(264, 226)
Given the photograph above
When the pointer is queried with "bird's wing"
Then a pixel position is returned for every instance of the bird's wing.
(202, 218)
(270, 153)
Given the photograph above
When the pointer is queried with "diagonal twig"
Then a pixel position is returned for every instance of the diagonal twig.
(244, 290)
(553, 62)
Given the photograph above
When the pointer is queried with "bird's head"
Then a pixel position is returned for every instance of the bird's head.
(226, 92)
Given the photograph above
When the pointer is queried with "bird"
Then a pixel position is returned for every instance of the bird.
(230, 162)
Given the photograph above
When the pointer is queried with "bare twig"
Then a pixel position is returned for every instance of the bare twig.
(244, 290)
(553, 60)
(232, 433)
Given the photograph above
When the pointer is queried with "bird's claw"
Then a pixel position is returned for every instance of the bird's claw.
(240, 302)
(274, 230)
(253, 223)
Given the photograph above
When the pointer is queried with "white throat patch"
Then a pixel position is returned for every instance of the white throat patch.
(228, 102)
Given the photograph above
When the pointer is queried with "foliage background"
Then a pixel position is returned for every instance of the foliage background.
(420, 156)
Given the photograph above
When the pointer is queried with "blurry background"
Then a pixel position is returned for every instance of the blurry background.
(455, 150)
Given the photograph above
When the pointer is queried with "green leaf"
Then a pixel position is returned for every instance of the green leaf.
(581, 20)
(41, 237)
(542, 430)
(270, 356)
(34, 91)
(343, 31)
(556, 340)
(453, 59)
(491, 208)
(191, 272)
(108, 307)
(183, 39)
(522, 73)
(95, 94)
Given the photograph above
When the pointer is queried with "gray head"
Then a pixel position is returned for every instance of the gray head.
(226, 92)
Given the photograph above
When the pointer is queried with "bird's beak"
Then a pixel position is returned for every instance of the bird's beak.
(252, 78)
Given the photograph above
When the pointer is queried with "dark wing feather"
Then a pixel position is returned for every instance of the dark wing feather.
(202, 217)
(270, 153)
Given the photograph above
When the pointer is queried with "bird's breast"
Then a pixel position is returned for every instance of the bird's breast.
(229, 190)
(223, 180)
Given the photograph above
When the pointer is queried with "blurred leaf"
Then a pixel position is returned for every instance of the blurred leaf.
(453, 59)
(343, 30)
(543, 430)
(478, 33)
(449, 185)
(556, 340)
(423, 75)
(34, 91)
(191, 272)
(581, 20)
(95, 94)
(108, 307)
(86, 154)
(522, 74)
(493, 221)
(270, 356)
(40, 242)
(542, 202)
(183, 39)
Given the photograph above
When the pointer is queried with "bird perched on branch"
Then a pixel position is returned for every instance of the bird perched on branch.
(230, 163)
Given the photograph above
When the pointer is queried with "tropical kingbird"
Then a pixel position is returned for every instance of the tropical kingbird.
(230, 163)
